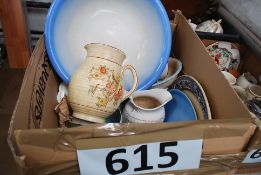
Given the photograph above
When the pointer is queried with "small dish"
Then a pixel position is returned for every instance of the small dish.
(174, 68)
(196, 94)
(179, 108)
(143, 33)
(225, 54)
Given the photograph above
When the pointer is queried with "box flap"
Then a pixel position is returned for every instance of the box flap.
(187, 46)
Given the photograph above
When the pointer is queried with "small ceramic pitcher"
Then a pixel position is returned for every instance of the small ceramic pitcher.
(146, 106)
(96, 89)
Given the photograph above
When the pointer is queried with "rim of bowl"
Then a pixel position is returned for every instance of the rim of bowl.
(170, 77)
(256, 87)
(148, 82)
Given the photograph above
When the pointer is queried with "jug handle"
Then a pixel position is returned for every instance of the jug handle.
(135, 80)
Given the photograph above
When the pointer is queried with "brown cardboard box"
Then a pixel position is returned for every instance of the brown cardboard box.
(249, 63)
(52, 150)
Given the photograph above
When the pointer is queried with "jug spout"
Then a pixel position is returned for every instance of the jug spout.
(154, 98)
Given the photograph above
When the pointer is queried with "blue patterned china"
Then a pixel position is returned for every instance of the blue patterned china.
(192, 88)
(141, 29)
(179, 108)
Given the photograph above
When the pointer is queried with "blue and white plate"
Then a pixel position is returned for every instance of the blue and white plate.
(179, 108)
(141, 29)
(192, 88)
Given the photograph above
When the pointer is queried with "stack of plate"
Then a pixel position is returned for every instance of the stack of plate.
(189, 101)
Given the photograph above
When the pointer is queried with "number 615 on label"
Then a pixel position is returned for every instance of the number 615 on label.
(141, 158)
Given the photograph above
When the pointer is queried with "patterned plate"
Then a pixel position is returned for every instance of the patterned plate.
(187, 83)
(179, 108)
(225, 54)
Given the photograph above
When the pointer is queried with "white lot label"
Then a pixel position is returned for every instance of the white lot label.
(142, 158)
(253, 156)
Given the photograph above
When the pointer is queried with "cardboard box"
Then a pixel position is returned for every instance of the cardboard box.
(250, 62)
(52, 150)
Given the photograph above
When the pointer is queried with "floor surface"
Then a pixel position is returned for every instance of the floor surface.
(10, 83)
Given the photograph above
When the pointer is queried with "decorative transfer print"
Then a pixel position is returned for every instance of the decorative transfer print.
(221, 56)
(111, 92)
(224, 57)
(187, 83)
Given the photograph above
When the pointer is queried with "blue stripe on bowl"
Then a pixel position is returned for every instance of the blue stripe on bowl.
(55, 61)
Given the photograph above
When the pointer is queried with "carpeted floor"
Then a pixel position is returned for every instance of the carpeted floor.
(10, 83)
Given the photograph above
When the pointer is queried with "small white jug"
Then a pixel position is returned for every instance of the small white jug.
(146, 106)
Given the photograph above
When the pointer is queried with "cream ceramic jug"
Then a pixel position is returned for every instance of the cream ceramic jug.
(96, 89)
(146, 106)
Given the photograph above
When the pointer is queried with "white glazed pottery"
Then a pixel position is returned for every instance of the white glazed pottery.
(246, 80)
(165, 72)
(175, 66)
(210, 26)
(230, 78)
(96, 89)
(192, 25)
(146, 106)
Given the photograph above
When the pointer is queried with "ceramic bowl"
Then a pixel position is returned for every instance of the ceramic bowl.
(141, 29)
(174, 68)
(165, 72)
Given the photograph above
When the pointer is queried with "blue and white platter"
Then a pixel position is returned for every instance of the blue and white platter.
(189, 83)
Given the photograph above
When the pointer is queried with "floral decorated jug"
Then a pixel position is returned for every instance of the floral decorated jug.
(96, 88)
